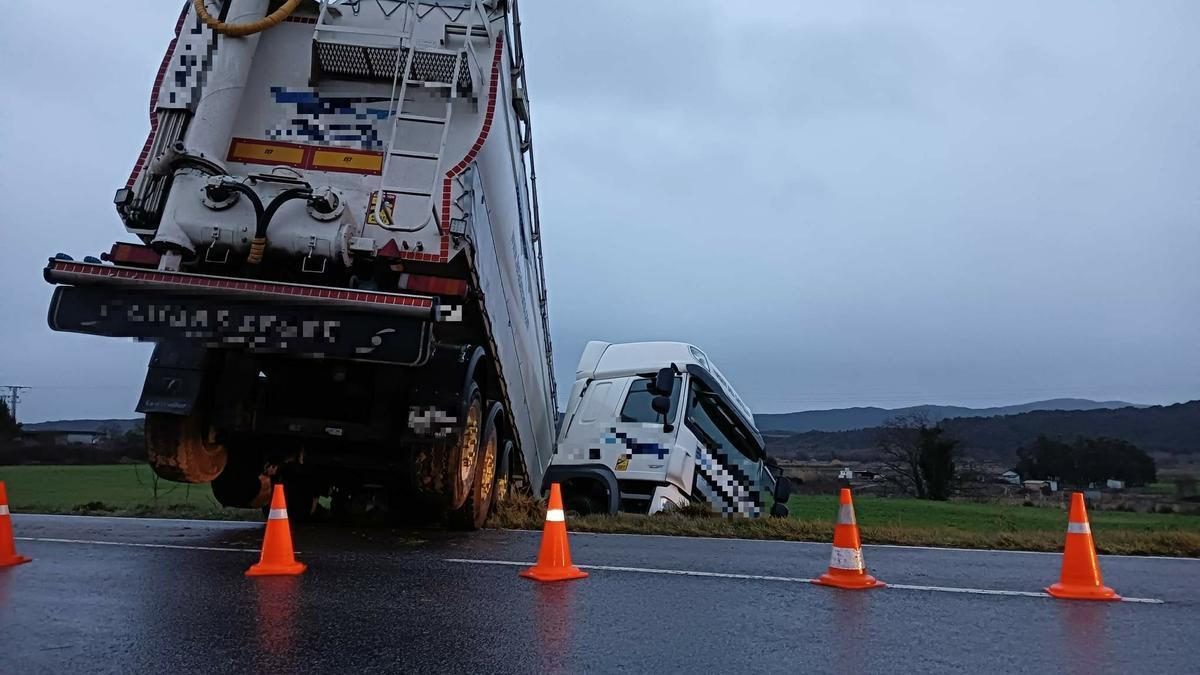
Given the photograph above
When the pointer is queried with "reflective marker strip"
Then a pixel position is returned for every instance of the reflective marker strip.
(846, 559)
(846, 514)
(3, 509)
(1079, 528)
(555, 516)
(277, 514)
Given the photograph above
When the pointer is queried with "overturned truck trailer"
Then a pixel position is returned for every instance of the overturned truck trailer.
(339, 259)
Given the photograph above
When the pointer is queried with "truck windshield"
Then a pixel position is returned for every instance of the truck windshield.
(716, 423)
(637, 406)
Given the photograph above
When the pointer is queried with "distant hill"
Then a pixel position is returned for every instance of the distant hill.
(83, 425)
(846, 419)
(1172, 429)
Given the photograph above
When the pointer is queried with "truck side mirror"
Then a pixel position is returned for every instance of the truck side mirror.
(662, 406)
(664, 382)
(783, 489)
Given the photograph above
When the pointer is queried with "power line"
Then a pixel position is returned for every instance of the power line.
(14, 397)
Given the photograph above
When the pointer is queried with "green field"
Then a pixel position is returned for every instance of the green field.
(130, 490)
(118, 489)
(982, 518)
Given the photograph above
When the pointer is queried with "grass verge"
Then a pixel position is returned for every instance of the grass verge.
(111, 490)
(1127, 535)
(130, 490)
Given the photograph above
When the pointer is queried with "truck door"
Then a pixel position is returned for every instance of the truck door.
(726, 477)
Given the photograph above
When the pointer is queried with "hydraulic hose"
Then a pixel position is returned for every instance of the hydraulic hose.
(258, 215)
(259, 244)
(243, 29)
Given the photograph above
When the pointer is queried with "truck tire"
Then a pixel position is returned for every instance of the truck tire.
(242, 484)
(445, 471)
(463, 455)
(181, 448)
(301, 501)
(504, 474)
(474, 512)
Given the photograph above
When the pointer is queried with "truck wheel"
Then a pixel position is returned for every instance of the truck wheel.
(474, 512)
(463, 457)
(182, 449)
(504, 474)
(242, 485)
(301, 501)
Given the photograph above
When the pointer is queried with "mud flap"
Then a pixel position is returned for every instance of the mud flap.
(173, 379)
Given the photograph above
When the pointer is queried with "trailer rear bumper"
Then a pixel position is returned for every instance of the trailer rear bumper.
(262, 317)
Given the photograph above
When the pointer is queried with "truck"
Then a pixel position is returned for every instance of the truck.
(652, 426)
(337, 255)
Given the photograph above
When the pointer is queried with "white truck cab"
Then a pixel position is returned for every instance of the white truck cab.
(651, 425)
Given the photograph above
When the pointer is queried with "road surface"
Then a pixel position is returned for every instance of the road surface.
(129, 595)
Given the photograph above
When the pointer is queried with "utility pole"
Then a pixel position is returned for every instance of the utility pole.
(14, 397)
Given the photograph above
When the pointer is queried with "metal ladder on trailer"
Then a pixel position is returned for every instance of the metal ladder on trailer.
(397, 158)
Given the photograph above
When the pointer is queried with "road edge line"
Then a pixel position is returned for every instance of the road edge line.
(767, 577)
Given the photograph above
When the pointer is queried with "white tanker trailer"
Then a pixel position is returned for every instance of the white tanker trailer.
(339, 259)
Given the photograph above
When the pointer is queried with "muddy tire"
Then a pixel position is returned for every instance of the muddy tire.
(474, 512)
(182, 449)
(505, 487)
(462, 456)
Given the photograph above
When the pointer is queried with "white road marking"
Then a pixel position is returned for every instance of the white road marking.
(196, 521)
(202, 521)
(94, 542)
(900, 546)
(764, 577)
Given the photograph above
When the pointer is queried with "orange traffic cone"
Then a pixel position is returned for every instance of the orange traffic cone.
(1080, 579)
(554, 559)
(278, 558)
(846, 567)
(8, 548)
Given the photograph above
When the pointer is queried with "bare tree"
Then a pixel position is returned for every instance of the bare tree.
(919, 458)
(900, 445)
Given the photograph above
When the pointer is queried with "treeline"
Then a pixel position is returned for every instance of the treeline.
(1171, 429)
(126, 448)
(1085, 461)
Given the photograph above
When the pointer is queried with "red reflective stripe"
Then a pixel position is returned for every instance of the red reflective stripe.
(232, 284)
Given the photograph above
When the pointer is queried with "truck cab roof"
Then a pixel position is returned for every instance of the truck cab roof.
(603, 360)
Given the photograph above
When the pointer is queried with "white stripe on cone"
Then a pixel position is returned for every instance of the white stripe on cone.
(845, 514)
(3, 509)
(555, 516)
(1079, 528)
(847, 559)
(277, 514)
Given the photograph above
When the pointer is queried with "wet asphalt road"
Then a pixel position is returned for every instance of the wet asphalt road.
(170, 596)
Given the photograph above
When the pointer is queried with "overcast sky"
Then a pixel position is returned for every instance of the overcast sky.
(851, 203)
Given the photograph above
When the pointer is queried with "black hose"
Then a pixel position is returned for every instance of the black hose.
(264, 220)
(251, 195)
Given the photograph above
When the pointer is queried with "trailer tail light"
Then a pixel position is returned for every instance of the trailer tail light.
(132, 254)
(421, 283)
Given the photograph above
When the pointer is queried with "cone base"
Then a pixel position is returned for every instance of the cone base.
(1073, 592)
(554, 573)
(853, 582)
(14, 561)
(276, 569)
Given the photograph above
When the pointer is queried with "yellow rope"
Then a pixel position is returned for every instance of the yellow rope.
(241, 29)
(257, 246)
